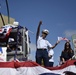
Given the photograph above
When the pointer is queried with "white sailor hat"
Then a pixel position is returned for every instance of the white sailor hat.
(45, 31)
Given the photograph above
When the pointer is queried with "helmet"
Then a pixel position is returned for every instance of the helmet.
(45, 31)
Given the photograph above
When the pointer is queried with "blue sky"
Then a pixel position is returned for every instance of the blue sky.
(58, 16)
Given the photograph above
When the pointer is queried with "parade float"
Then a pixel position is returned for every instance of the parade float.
(16, 62)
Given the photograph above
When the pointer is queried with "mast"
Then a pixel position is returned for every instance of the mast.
(8, 11)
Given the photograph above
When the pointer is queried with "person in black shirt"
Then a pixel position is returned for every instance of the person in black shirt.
(67, 53)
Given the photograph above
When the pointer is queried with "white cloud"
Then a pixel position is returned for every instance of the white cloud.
(69, 33)
(33, 50)
(33, 46)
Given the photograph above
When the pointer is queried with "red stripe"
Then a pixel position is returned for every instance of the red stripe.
(68, 63)
(32, 64)
(7, 64)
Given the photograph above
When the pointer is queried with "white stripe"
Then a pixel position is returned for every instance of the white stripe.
(34, 70)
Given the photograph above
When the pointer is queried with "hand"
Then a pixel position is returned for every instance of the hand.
(63, 61)
(58, 42)
(40, 23)
(7, 45)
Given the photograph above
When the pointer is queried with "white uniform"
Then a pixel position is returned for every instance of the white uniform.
(43, 43)
(42, 53)
(51, 52)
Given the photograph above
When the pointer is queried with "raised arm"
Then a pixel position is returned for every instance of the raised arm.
(38, 30)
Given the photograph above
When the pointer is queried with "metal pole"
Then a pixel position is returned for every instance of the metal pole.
(2, 16)
(8, 11)
(28, 48)
(15, 57)
(23, 42)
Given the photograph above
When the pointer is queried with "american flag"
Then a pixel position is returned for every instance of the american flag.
(32, 68)
(63, 38)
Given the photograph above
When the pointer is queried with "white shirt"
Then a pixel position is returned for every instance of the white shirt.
(43, 43)
(51, 52)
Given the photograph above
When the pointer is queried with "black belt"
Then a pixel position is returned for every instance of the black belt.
(41, 49)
